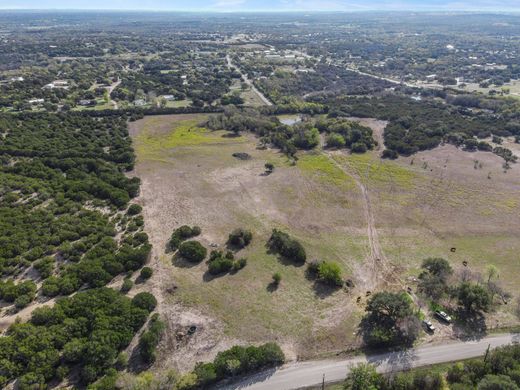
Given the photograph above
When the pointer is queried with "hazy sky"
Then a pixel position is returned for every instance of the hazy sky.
(269, 5)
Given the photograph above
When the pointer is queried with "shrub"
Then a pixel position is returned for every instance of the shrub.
(330, 273)
(286, 246)
(206, 373)
(239, 264)
(45, 266)
(220, 265)
(389, 153)
(313, 267)
(22, 301)
(134, 209)
(183, 233)
(240, 360)
(192, 251)
(145, 300)
(149, 339)
(51, 287)
(269, 167)
(240, 238)
(335, 140)
(127, 285)
(277, 278)
(358, 147)
(146, 273)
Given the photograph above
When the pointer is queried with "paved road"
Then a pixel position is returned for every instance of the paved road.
(297, 375)
(262, 97)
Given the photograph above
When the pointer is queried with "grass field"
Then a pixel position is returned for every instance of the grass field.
(423, 206)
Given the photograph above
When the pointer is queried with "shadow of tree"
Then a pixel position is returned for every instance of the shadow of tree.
(181, 262)
(469, 325)
(237, 383)
(272, 287)
(321, 289)
(208, 276)
(324, 290)
(398, 359)
(282, 259)
(136, 363)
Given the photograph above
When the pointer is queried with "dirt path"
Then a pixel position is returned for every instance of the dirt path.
(110, 89)
(264, 99)
(376, 255)
(377, 270)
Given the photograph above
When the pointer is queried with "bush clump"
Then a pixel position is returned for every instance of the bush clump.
(146, 273)
(183, 233)
(127, 285)
(240, 238)
(286, 246)
(134, 209)
(192, 251)
(149, 339)
(145, 300)
(239, 360)
(330, 273)
(220, 262)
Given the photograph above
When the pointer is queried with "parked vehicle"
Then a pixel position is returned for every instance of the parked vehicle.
(443, 316)
(429, 326)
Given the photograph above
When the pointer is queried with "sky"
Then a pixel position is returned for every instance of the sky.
(269, 5)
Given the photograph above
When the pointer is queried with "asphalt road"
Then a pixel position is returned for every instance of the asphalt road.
(264, 99)
(297, 375)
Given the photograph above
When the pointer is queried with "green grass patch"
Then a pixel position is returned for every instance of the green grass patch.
(321, 167)
(183, 133)
(370, 169)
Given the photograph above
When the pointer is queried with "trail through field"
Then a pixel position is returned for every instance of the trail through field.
(378, 267)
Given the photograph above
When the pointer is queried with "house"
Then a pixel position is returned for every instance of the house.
(431, 77)
(86, 102)
(36, 101)
(139, 102)
(168, 97)
(19, 78)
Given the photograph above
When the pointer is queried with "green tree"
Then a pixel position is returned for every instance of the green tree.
(240, 238)
(363, 377)
(192, 251)
(390, 320)
(473, 297)
(145, 300)
(146, 273)
(330, 273)
(433, 281)
(497, 382)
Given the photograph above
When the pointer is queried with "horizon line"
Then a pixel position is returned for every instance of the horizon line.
(281, 11)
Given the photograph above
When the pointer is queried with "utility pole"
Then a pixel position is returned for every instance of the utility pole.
(323, 383)
(487, 352)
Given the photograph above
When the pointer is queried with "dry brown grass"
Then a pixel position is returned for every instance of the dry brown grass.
(420, 210)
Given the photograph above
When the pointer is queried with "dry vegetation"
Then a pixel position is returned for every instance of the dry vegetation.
(421, 206)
